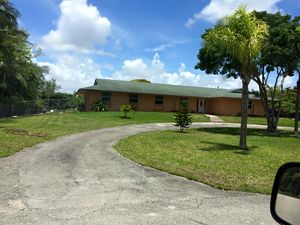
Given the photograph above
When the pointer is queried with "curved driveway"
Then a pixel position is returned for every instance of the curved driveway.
(80, 179)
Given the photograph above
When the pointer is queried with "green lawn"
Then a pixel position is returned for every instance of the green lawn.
(211, 156)
(287, 122)
(18, 133)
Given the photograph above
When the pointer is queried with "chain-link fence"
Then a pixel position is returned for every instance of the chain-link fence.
(39, 106)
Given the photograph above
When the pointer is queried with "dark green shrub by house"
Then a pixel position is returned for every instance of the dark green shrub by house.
(100, 107)
(183, 118)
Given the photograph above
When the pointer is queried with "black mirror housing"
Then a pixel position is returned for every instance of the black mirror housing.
(285, 199)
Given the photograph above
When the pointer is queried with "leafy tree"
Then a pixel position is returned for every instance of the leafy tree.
(141, 81)
(288, 102)
(232, 48)
(20, 77)
(276, 62)
(63, 101)
(50, 87)
(183, 118)
(126, 108)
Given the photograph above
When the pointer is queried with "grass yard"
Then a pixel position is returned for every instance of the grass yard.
(18, 133)
(211, 156)
(287, 122)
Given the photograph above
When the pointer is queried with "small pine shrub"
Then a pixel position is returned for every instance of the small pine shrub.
(183, 118)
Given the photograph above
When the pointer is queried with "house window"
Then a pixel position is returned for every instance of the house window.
(159, 100)
(133, 98)
(250, 105)
(106, 97)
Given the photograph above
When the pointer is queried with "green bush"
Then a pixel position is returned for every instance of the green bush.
(126, 108)
(100, 107)
(183, 118)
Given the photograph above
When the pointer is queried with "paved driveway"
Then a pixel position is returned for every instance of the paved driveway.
(80, 179)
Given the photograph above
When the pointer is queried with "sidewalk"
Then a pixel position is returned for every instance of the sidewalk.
(214, 118)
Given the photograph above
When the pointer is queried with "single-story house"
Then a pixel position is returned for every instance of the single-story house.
(166, 97)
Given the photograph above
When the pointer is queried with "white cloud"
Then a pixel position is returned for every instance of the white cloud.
(290, 81)
(73, 72)
(171, 44)
(72, 45)
(156, 62)
(162, 47)
(79, 28)
(219, 8)
(156, 73)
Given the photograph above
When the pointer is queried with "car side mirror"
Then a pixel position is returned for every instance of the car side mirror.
(285, 199)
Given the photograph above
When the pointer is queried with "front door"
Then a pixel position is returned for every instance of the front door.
(201, 104)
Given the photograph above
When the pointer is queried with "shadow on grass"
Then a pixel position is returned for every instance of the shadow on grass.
(217, 147)
(126, 117)
(185, 131)
(251, 132)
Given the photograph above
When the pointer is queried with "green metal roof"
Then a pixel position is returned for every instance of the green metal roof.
(162, 89)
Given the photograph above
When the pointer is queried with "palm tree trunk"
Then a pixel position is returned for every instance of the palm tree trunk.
(296, 125)
(244, 114)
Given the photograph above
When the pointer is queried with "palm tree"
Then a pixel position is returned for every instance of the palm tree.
(241, 36)
(11, 39)
(8, 14)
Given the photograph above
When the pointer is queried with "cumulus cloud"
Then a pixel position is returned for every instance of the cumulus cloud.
(290, 81)
(219, 8)
(79, 32)
(156, 73)
(73, 72)
(156, 62)
(79, 28)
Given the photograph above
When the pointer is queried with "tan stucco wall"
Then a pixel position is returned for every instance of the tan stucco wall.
(258, 109)
(90, 98)
(146, 102)
(118, 99)
(232, 107)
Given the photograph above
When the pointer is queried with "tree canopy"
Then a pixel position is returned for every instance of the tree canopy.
(20, 77)
(278, 60)
(274, 56)
(231, 48)
(141, 80)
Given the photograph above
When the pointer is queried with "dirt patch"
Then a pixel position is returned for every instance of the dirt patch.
(17, 131)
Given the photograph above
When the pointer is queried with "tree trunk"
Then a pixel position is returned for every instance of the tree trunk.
(264, 99)
(180, 128)
(296, 126)
(279, 103)
(269, 105)
(244, 113)
(3, 87)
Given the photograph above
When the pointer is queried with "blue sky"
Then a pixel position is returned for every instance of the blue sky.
(126, 39)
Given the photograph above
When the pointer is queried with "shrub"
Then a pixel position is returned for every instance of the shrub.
(126, 108)
(100, 107)
(183, 118)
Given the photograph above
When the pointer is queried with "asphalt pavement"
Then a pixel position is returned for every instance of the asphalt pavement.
(81, 179)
